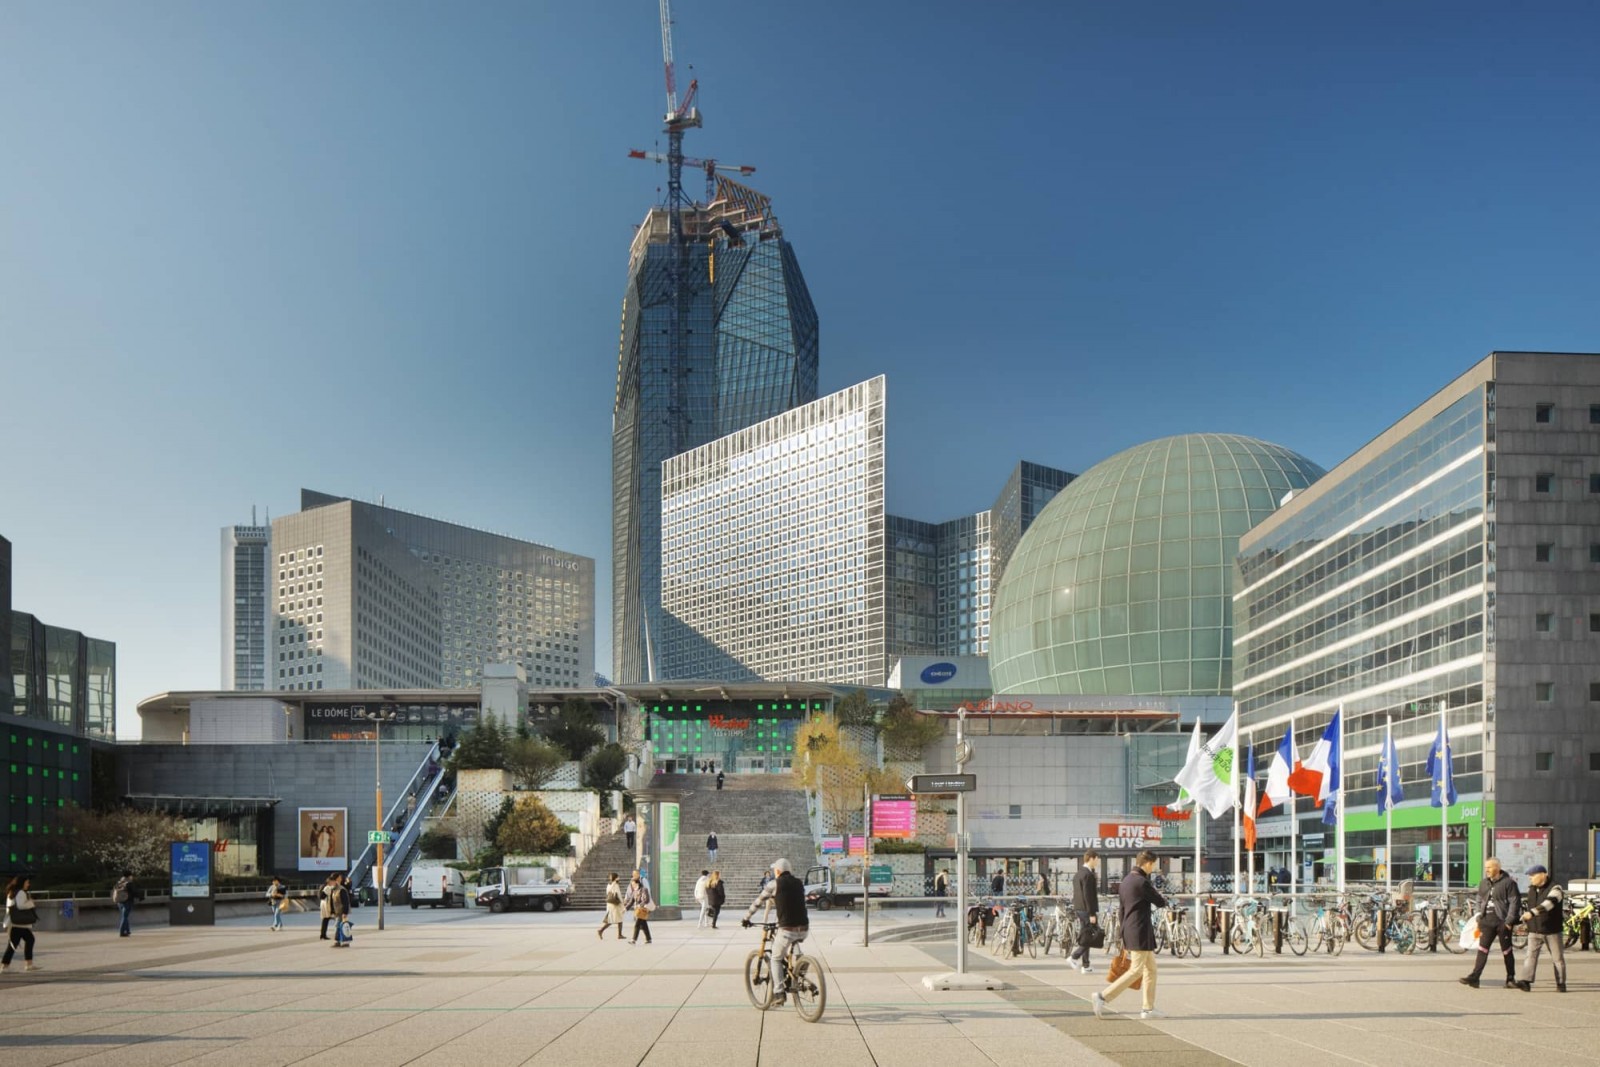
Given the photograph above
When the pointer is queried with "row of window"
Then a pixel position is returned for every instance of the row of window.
(298, 555)
(1545, 413)
(1545, 762)
(1546, 483)
(1545, 692)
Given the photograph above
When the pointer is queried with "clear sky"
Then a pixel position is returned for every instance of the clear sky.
(379, 248)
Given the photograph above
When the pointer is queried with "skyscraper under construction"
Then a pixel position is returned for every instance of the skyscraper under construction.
(732, 344)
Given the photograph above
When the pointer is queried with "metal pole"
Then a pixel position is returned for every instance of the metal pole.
(1236, 830)
(1338, 821)
(1444, 811)
(961, 848)
(866, 862)
(377, 763)
(1294, 819)
(1388, 805)
(1199, 832)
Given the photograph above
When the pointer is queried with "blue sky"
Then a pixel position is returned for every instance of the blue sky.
(379, 248)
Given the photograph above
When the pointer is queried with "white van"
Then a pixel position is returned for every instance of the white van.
(434, 884)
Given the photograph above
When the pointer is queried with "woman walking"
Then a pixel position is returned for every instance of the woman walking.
(339, 906)
(278, 901)
(716, 896)
(642, 904)
(326, 907)
(614, 911)
(21, 914)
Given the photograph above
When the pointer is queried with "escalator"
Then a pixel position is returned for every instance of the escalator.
(405, 819)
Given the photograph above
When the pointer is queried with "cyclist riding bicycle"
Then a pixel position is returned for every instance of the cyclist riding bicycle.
(788, 893)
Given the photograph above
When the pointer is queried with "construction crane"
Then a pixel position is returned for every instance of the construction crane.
(710, 166)
(678, 120)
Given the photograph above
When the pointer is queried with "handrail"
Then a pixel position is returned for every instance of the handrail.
(361, 869)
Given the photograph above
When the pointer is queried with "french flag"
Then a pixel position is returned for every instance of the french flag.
(1284, 764)
(1318, 777)
(1249, 808)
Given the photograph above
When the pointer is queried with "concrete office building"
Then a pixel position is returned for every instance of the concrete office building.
(367, 596)
(746, 353)
(1454, 561)
(773, 548)
(246, 607)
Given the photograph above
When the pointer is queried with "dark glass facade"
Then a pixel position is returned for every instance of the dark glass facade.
(62, 677)
(748, 352)
(1030, 487)
(46, 770)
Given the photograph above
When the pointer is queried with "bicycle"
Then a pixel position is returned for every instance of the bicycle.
(1175, 934)
(1059, 928)
(1247, 929)
(1572, 926)
(1332, 928)
(805, 980)
(1449, 925)
(1398, 929)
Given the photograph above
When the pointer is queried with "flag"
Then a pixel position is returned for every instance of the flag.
(1184, 799)
(1283, 765)
(1209, 775)
(1318, 776)
(1389, 791)
(1249, 809)
(1440, 772)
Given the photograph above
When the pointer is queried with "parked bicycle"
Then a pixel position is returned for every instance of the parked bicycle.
(1175, 934)
(1399, 928)
(1582, 911)
(803, 978)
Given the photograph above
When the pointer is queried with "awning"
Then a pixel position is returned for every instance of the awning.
(194, 805)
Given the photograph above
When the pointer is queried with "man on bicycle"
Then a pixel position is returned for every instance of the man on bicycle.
(788, 894)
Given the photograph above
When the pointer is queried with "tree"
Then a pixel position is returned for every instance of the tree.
(908, 731)
(483, 840)
(481, 748)
(532, 762)
(531, 829)
(573, 729)
(437, 845)
(855, 709)
(123, 839)
(602, 770)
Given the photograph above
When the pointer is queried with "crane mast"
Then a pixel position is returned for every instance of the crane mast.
(677, 121)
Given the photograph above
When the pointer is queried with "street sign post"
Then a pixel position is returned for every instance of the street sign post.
(379, 837)
(942, 783)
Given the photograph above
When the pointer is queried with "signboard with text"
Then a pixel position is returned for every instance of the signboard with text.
(323, 839)
(667, 891)
(894, 817)
(1519, 849)
(191, 869)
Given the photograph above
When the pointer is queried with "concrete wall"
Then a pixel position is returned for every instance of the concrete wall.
(1047, 777)
(333, 774)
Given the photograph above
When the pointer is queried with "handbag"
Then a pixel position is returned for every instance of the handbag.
(641, 912)
(23, 916)
(1095, 937)
(1119, 967)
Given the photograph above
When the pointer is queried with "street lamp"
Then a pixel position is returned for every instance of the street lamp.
(377, 719)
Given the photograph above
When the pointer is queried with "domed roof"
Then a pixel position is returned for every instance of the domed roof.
(1122, 584)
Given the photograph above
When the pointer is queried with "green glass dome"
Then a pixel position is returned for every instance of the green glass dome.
(1122, 584)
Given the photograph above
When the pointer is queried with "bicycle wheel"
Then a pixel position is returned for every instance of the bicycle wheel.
(1030, 934)
(1237, 940)
(1001, 936)
(1050, 936)
(1188, 941)
(1299, 940)
(810, 988)
(1366, 933)
(1259, 933)
(758, 979)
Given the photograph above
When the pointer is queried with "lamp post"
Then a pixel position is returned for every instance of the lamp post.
(378, 718)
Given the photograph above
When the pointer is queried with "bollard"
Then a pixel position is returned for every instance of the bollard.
(1277, 930)
(1383, 928)
(1227, 930)
(1586, 934)
(1211, 920)
(1435, 928)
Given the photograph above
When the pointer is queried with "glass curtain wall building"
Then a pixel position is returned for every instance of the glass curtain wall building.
(246, 613)
(62, 677)
(748, 352)
(1452, 563)
(773, 550)
(1030, 487)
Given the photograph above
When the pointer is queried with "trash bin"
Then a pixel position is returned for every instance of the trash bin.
(369, 894)
(69, 909)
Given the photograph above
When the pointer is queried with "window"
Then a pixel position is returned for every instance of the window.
(1544, 483)
(1544, 762)
(1594, 552)
(1543, 622)
(1543, 551)
(1594, 413)
(1594, 690)
(1594, 483)
(1594, 761)
(1544, 413)
(1544, 692)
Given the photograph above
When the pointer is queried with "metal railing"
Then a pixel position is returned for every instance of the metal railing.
(424, 784)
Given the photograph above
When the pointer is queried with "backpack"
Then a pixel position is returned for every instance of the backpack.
(120, 895)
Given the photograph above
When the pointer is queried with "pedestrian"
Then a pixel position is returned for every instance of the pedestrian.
(1041, 885)
(1138, 897)
(614, 911)
(21, 914)
(629, 828)
(1499, 904)
(941, 889)
(719, 781)
(1086, 903)
(411, 803)
(1543, 914)
(278, 900)
(700, 897)
(711, 845)
(716, 896)
(325, 903)
(642, 903)
(997, 884)
(339, 900)
(123, 895)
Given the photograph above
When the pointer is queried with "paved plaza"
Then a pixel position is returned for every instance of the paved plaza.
(471, 988)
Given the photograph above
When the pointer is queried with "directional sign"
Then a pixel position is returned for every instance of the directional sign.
(379, 837)
(942, 783)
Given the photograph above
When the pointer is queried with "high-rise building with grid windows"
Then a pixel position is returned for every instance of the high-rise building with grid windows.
(746, 351)
(246, 612)
(773, 548)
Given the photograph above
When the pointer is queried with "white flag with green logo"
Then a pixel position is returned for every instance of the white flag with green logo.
(1208, 775)
(1184, 799)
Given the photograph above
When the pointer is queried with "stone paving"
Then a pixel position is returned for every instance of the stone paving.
(458, 987)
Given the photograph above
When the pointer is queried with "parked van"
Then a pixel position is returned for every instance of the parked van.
(434, 884)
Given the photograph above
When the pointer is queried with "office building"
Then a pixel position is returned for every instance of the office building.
(246, 610)
(1122, 585)
(1029, 488)
(1453, 562)
(747, 351)
(367, 596)
(773, 548)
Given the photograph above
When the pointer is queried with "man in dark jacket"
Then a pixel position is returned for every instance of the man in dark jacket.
(1543, 915)
(1137, 897)
(1086, 902)
(788, 894)
(1499, 905)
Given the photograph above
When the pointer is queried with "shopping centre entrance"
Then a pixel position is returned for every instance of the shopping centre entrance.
(737, 728)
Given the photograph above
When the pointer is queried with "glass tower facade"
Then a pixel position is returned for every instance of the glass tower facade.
(246, 613)
(63, 678)
(1030, 487)
(773, 548)
(747, 352)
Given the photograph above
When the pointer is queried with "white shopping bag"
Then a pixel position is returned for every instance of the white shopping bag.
(1469, 934)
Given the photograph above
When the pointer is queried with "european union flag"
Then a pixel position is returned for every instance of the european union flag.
(1440, 769)
(1389, 791)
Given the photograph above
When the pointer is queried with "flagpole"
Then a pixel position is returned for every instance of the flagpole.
(1237, 830)
(1199, 832)
(1247, 793)
(1294, 820)
(1388, 804)
(1338, 821)
(1444, 811)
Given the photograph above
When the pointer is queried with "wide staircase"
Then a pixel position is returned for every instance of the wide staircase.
(757, 817)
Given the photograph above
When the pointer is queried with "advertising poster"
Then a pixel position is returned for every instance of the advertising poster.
(667, 890)
(832, 846)
(191, 869)
(894, 816)
(324, 844)
(1518, 850)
